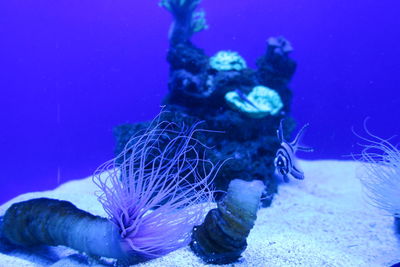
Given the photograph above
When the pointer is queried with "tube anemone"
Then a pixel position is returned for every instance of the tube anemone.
(44, 221)
(151, 190)
(381, 176)
(154, 192)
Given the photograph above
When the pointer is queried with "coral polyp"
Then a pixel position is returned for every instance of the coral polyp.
(150, 193)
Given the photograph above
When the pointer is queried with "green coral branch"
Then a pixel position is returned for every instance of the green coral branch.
(186, 20)
(179, 6)
(198, 22)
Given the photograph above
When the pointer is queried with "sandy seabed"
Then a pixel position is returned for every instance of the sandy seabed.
(322, 221)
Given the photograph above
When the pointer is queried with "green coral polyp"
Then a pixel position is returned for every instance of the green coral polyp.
(263, 102)
(227, 60)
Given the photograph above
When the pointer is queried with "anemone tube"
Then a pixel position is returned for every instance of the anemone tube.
(154, 197)
(44, 221)
(221, 238)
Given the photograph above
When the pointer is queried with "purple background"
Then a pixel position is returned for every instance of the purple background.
(71, 70)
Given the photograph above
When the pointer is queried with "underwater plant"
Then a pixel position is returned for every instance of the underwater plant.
(381, 176)
(152, 203)
(186, 20)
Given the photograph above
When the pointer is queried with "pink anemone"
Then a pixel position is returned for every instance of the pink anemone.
(157, 189)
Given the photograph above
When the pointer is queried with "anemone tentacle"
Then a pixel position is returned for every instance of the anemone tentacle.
(381, 172)
(154, 188)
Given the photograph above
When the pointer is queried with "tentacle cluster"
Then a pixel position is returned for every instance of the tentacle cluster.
(381, 172)
(151, 190)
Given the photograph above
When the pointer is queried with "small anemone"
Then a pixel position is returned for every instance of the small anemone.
(157, 189)
(381, 175)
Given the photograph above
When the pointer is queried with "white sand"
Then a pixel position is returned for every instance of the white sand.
(321, 221)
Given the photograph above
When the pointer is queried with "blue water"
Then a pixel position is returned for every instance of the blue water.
(72, 70)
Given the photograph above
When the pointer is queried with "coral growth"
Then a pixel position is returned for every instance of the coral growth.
(259, 103)
(198, 85)
(186, 20)
(153, 186)
(227, 60)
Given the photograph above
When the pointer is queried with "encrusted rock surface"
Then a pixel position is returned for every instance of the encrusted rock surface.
(221, 238)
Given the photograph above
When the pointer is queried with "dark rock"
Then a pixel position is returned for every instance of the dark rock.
(249, 144)
(185, 56)
(276, 68)
(197, 93)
